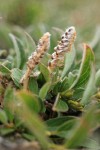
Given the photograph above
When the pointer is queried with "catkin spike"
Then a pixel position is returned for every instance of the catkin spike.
(63, 46)
(34, 59)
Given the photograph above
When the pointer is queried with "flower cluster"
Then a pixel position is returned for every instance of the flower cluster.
(63, 46)
(57, 57)
(34, 59)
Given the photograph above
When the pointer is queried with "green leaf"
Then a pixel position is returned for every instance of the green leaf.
(67, 125)
(31, 120)
(44, 70)
(97, 78)
(18, 55)
(97, 116)
(81, 130)
(56, 123)
(91, 144)
(16, 76)
(90, 88)
(28, 136)
(61, 86)
(4, 69)
(8, 63)
(31, 100)
(56, 87)
(6, 131)
(17, 121)
(8, 99)
(69, 59)
(77, 93)
(44, 90)
(3, 116)
(45, 59)
(64, 85)
(64, 129)
(33, 86)
(61, 106)
(54, 76)
(22, 52)
(71, 78)
(84, 71)
(30, 42)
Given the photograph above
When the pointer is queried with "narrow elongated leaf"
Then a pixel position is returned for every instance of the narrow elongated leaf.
(82, 129)
(9, 98)
(64, 85)
(31, 100)
(28, 136)
(4, 69)
(61, 106)
(16, 75)
(77, 94)
(69, 59)
(67, 125)
(71, 78)
(57, 88)
(91, 144)
(8, 63)
(61, 86)
(44, 70)
(45, 59)
(56, 123)
(90, 88)
(3, 116)
(33, 122)
(33, 86)
(44, 90)
(6, 131)
(18, 55)
(64, 129)
(22, 52)
(30, 42)
(84, 71)
(97, 78)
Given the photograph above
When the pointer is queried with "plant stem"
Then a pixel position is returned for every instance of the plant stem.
(56, 101)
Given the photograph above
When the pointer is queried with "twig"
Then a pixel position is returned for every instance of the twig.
(56, 101)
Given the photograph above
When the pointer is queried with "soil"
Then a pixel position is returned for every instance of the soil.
(18, 144)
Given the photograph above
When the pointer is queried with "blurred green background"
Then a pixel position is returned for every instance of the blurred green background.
(39, 16)
(59, 13)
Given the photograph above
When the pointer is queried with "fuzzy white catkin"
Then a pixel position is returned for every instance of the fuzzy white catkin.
(34, 59)
(63, 46)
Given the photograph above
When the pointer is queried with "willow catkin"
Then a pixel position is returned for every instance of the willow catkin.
(34, 59)
(63, 46)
